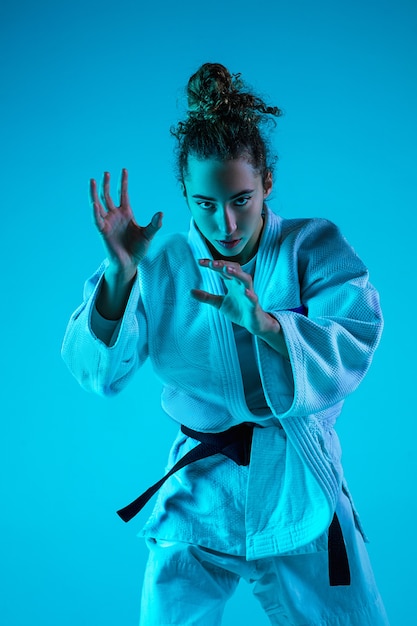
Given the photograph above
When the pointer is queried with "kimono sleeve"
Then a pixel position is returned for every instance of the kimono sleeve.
(100, 368)
(332, 345)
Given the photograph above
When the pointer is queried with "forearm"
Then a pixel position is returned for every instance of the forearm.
(114, 293)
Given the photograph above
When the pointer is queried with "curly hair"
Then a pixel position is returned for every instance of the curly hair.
(224, 121)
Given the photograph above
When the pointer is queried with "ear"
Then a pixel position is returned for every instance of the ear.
(268, 184)
(183, 189)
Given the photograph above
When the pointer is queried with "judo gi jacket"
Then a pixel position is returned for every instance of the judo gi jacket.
(301, 265)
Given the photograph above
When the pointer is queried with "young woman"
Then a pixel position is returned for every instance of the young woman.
(259, 327)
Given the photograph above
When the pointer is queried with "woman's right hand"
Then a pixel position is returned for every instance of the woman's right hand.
(126, 242)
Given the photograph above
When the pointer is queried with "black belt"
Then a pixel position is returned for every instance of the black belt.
(236, 443)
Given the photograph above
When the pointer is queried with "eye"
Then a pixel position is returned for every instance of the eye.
(206, 205)
(242, 201)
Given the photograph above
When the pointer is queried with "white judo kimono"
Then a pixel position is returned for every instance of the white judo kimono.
(291, 489)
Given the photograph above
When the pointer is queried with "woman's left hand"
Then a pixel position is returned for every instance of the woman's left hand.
(240, 304)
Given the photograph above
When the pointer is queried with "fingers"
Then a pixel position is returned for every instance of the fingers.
(98, 210)
(105, 192)
(230, 270)
(207, 298)
(93, 191)
(251, 295)
(123, 195)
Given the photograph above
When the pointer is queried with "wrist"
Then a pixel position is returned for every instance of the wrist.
(115, 290)
(120, 275)
(271, 333)
(269, 326)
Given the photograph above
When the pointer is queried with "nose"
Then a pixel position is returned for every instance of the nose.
(227, 221)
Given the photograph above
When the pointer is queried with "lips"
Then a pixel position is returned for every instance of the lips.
(229, 245)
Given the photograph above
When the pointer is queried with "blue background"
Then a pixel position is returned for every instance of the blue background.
(94, 86)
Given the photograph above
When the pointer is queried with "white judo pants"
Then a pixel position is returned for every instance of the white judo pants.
(188, 585)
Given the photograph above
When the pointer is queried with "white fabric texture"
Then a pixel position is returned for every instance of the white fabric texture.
(193, 351)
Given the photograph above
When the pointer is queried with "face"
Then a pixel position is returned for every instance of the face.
(226, 200)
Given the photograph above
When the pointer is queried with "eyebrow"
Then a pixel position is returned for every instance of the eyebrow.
(236, 195)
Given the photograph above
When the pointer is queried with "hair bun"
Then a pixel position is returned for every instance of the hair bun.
(212, 90)
(213, 93)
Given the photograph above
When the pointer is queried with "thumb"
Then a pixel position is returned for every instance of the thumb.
(154, 225)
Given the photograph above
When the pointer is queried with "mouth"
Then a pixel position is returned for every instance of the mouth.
(229, 245)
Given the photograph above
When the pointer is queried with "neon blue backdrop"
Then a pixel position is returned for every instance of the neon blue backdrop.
(88, 86)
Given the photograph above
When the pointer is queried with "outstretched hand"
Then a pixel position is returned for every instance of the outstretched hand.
(240, 304)
(126, 242)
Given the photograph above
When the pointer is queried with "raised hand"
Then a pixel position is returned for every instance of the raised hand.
(126, 242)
(241, 305)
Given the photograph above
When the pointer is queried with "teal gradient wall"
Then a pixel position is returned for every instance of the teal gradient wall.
(88, 86)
